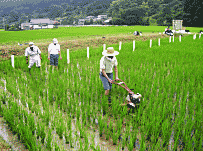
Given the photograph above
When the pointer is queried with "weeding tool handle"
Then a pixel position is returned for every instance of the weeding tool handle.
(122, 82)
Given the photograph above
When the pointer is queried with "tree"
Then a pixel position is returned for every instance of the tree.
(7, 27)
(193, 13)
(91, 21)
(144, 9)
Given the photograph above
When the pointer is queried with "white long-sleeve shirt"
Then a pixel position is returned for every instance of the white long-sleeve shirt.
(35, 53)
(54, 49)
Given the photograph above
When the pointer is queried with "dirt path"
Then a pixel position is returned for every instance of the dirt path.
(93, 42)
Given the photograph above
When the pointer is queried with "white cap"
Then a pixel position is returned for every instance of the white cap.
(55, 40)
(31, 43)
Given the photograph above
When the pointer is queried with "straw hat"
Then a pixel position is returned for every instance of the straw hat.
(110, 52)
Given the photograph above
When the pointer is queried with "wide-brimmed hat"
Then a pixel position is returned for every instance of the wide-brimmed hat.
(110, 52)
(55, 40)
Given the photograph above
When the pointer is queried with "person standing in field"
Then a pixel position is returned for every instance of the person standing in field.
(35, 55)
(107, 62)
(53, 51)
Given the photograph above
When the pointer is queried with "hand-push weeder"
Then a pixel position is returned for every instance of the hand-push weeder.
(132, 99)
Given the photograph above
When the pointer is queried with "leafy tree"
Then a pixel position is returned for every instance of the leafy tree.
(7, 27)
(193, 13)
(91, 21)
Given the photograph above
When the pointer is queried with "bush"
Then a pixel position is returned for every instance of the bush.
(7, 27)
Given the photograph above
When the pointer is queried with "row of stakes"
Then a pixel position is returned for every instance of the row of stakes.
(104, 48)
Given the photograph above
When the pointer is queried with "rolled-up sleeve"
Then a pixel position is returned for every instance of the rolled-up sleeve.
(102, 63)
(26, 52)
(49, 48)
(59, 48)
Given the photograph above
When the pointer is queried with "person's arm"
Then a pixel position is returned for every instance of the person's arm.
(26, 59)
(39, 53)
(26, 55)
(102, 66)
(104, 73)
(49, 49)
(59, 52)
(116, 72)
(115, 69)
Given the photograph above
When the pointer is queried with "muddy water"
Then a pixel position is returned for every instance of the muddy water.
(7, 135)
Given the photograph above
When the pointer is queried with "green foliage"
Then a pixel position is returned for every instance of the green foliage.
(91, 21)
(152, 22)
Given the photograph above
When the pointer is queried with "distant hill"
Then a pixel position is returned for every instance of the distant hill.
(28, 6)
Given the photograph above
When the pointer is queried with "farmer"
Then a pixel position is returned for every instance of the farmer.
(107, 62)
(53, 51)
(35, 55)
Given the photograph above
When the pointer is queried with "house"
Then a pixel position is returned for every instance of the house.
(107, 22)
(90, 17)
(102, 16)
(39, 24)
(25, 26)
(81, 21)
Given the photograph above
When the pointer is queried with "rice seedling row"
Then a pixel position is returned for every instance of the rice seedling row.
(159, 78)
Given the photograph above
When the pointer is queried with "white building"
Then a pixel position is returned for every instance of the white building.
(90, 17)
(102, 16)
(38, 24)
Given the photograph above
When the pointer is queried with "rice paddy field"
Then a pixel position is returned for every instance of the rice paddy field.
(61, 109)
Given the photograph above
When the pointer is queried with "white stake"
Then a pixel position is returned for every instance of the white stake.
(133, 45)
(150, 43)
(199, 35)
(120, 45)
(68, 56)
(173, 38)
(159, 42)
(180, 38)
(88, 52)
(104, 47)
(12, 60)
(169, 39)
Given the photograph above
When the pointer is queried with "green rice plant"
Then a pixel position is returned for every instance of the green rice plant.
(49, 140)
(86, 142)
(101, 126)
(83, 130)
(109, 130)
(114, 136)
